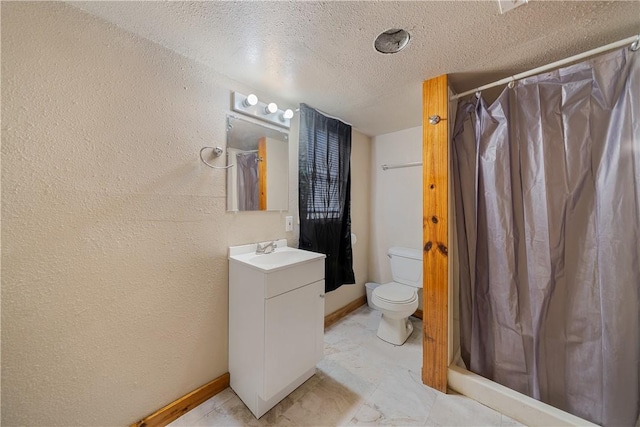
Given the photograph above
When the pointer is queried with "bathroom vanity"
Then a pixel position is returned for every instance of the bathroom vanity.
(276, 322)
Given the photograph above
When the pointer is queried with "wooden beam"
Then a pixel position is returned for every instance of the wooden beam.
(176, 409)
(435, 161)
(332, 318)
(262, 173)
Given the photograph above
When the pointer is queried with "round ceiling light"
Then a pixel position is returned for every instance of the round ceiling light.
(392, 41)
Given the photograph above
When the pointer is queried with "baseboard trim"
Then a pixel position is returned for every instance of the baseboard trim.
(332, 318)
(176, 409)
(418, 314)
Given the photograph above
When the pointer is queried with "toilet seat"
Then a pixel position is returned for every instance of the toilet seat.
(395, 297)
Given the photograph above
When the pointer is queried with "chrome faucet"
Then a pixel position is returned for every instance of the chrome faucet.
(266, 248)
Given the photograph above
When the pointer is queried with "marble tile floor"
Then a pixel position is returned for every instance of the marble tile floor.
(362, 380)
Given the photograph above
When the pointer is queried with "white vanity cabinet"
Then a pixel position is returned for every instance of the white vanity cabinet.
(276, 322)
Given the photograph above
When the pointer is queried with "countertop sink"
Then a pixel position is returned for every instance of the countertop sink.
(282, 257)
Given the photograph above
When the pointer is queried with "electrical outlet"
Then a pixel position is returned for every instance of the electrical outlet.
(288, 223)
(507, 5)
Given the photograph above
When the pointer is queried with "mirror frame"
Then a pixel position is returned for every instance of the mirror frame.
(268, 182)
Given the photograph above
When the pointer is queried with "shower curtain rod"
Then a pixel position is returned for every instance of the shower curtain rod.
(634, 41)
(328, 115)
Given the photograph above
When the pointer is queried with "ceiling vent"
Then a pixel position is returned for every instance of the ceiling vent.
(392, 41)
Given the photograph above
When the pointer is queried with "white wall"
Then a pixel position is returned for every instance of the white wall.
(114, 234)
(396, 202)
(277, 176)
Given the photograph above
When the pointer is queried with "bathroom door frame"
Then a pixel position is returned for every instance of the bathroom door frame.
(435, 226)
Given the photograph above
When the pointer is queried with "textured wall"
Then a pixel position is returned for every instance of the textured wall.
(114, 234)
(396, 218)
(360, 202)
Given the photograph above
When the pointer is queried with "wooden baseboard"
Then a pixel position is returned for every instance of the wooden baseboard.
(418, 314)
(332, 318)
(176, 409)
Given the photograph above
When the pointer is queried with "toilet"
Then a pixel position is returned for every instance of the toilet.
(397, 300)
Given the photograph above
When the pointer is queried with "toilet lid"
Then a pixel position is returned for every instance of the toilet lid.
(395, 293)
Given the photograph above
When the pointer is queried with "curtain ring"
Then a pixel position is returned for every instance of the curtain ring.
(512, 83)
(478, 94)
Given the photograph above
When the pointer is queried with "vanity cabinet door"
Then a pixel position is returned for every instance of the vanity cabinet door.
(294, 330)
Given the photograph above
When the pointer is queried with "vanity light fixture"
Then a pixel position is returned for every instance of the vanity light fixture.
(250, 100)
(266, 111)
(271, 108)
(287, 115)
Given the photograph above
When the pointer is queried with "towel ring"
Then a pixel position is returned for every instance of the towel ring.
(217, 152)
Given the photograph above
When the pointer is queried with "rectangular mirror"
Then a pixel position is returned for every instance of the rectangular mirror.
(259, 178)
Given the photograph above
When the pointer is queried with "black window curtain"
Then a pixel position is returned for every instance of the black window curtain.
(325, 193)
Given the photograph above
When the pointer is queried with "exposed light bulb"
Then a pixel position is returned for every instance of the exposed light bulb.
(271, 108)
(260, 109)
(250, 100)
(288, 114)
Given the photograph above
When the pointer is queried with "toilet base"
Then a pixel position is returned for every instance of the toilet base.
(393, 330)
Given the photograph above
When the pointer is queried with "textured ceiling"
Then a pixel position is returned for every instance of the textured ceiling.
(321, 53)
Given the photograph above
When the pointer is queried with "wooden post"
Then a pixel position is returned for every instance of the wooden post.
(262, 173)
(435, 161)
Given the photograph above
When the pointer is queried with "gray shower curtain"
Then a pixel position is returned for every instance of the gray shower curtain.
(547, 199)
(248, 182)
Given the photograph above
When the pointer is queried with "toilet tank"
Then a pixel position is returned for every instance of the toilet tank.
(406, 266)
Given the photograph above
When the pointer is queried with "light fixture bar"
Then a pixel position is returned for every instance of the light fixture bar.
(266, 111)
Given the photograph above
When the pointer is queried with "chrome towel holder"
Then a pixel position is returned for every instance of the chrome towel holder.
(217, 152)
(401, 165)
